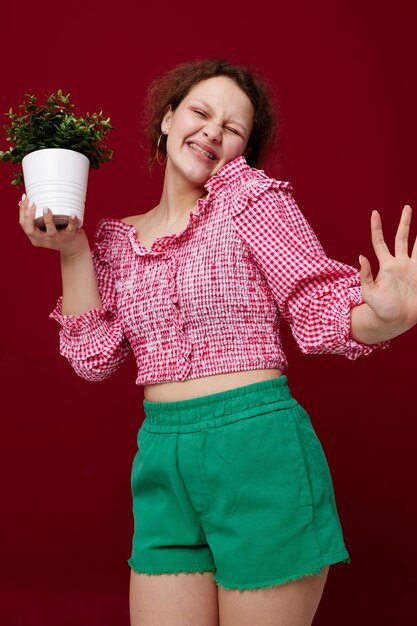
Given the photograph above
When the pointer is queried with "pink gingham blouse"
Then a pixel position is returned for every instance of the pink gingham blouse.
(209, 299)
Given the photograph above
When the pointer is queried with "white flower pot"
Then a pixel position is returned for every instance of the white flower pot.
(57, 179)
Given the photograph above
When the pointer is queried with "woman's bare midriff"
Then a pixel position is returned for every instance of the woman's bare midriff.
(187, 389)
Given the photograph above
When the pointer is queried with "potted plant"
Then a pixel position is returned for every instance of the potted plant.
(56, 150)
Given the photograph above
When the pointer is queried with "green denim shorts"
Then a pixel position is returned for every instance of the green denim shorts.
(235, 483)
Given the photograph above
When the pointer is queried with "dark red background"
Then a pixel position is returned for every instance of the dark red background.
(345, 77)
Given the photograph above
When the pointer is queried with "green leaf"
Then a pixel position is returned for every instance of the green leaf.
(53, 124)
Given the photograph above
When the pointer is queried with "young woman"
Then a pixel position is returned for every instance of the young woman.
(231, 489)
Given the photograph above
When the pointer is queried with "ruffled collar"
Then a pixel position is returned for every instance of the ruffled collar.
(228, 173)
(252, 181)
(115, 227)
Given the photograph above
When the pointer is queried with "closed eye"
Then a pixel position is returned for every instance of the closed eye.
(204, 114)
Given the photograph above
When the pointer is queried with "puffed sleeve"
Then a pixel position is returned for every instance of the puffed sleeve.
(93, 342)
(314, 293)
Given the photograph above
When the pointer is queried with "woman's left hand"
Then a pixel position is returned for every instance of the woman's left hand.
(393, 294)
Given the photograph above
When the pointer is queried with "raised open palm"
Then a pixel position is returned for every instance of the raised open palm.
(393, 294)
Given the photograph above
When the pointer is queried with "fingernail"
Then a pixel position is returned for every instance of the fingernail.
(30, 204)
(73, 216)
(23, 197)
(45, 210)
(360, 259)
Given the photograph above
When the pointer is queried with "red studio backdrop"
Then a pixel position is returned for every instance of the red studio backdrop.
(343, 74)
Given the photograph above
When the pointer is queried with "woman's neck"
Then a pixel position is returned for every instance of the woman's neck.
(178, 198)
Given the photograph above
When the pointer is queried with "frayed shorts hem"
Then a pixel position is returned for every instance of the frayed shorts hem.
(193, 570)
(331, 559)
(279, 581)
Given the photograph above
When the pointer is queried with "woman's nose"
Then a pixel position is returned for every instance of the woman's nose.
(213, 130)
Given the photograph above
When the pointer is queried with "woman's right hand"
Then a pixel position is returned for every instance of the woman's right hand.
(70, 241)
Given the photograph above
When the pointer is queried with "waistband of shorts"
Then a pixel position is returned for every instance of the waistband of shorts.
(218, 409)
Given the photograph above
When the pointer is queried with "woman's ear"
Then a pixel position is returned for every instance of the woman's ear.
(166, 120)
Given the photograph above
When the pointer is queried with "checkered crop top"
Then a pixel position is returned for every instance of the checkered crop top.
(209, 299)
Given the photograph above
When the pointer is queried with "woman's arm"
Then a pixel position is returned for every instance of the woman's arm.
(91, 334)
(390, 307)
(79, 283)
(314, 293)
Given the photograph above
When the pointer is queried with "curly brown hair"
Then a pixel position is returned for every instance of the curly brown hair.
(173, 86)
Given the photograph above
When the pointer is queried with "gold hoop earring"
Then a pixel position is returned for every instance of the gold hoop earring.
(157, 152)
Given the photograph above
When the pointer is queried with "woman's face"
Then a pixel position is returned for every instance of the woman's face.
(210, 127)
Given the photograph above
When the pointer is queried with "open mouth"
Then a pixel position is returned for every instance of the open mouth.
(197, 148)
